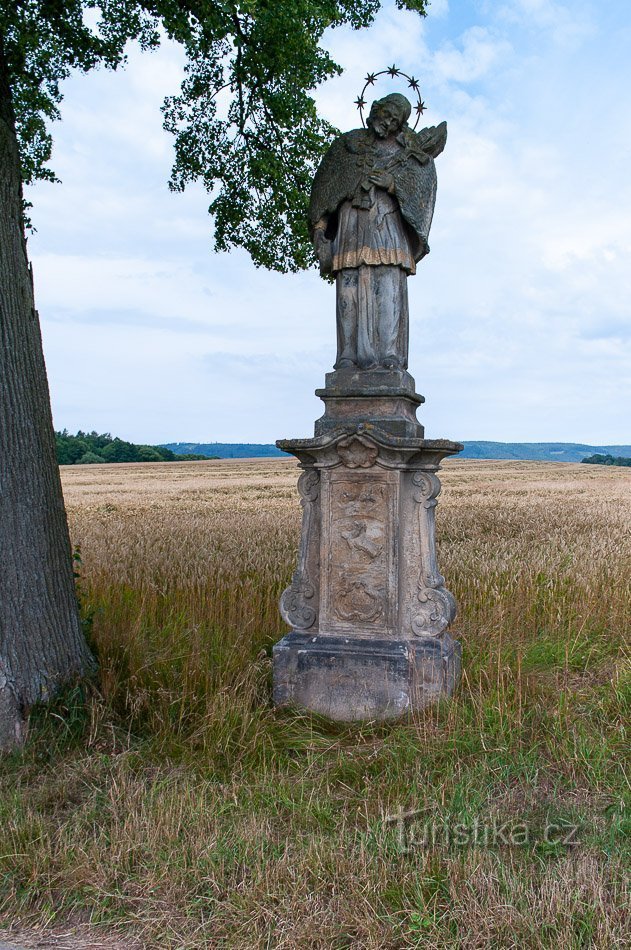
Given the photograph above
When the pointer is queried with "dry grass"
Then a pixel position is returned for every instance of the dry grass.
(176, 805)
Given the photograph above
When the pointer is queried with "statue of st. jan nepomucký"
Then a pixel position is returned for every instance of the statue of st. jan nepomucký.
(371, 209)
(368, 611)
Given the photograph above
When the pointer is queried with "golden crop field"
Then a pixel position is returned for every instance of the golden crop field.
(173, 805)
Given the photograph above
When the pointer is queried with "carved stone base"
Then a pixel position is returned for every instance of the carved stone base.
(383, 398)
(367, 597)
(352, 678)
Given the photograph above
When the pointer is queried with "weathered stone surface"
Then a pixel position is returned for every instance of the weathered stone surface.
(367, 578)
(367, 606)
(352, 678)
(299, 603)
(359, 560)
(370, 214)
(382, 398)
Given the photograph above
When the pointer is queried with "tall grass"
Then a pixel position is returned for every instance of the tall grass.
(174, 804)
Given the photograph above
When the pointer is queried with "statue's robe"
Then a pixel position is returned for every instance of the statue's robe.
(377, 236)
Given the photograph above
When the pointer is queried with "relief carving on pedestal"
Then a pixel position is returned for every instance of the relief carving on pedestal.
(298, 601)
(357, 603)
(360, 571)
(436, 606)
(357, 452)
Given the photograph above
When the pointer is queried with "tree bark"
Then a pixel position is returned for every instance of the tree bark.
(42, 646)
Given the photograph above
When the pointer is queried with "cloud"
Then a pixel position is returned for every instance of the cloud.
(563, 24)
(519, 316)
(438, 8)
(476, 54)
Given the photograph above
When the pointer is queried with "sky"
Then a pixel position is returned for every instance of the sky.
(519, 318)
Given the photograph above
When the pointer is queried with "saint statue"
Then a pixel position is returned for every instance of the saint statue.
(371, 209)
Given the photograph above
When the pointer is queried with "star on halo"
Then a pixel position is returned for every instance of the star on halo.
(393, 71)
(360, 102)
(370, 79)
(413, 83)
(421, 107)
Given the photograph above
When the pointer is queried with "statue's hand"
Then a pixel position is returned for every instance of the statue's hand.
(382, 180)
(324, 252)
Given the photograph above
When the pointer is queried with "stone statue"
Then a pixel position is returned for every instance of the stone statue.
(371, 209)
(369, 612)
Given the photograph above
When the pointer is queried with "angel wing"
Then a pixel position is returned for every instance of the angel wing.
(433, 139)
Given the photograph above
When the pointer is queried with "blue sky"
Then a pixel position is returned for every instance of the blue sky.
(520, 327)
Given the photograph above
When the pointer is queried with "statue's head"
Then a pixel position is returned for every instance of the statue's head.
(388, 115)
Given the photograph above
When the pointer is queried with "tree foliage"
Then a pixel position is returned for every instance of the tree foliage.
(89, 447)
(607, 460)
(244, 120)
(42, 42)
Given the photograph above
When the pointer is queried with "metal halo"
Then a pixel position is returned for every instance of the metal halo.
(393, 72)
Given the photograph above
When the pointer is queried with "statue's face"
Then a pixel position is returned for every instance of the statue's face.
(384, 118)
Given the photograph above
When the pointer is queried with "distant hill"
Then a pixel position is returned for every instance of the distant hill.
(225, 450)
(540, 451)
(526, 451)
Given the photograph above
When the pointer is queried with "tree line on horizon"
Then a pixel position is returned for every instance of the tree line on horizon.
(86, 448)
(607, 460)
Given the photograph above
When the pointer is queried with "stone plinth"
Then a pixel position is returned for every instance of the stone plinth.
(368, 609)
(356, 678)
(380, 397)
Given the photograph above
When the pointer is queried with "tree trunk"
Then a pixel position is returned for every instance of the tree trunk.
(41, 641)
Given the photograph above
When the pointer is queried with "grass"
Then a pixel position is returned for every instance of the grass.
(174, 805)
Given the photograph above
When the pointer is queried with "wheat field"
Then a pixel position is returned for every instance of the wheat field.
(170, 804)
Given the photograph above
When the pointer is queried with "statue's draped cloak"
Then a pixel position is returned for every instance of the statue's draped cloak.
(344, 171)
(372, 234)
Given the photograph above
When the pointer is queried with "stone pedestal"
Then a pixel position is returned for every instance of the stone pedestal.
(368, 609)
